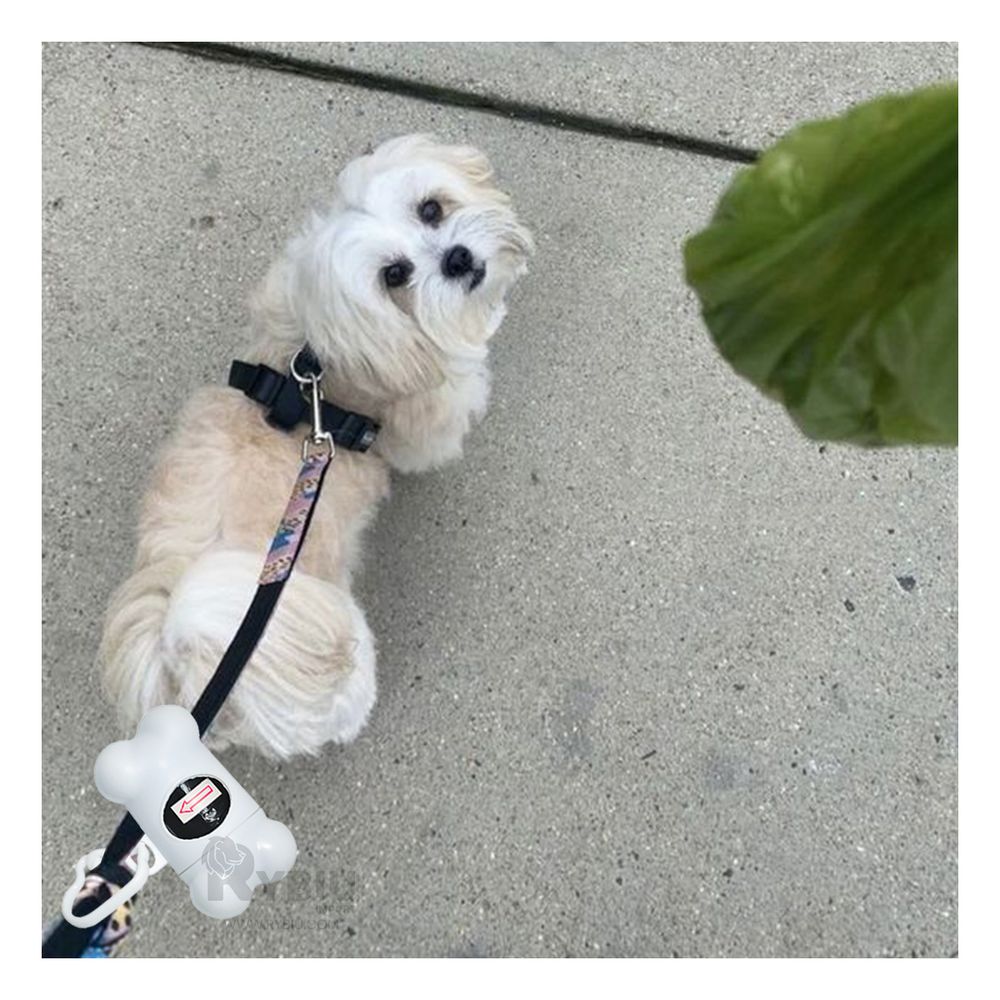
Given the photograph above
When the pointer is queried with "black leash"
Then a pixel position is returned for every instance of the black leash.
(349, 430)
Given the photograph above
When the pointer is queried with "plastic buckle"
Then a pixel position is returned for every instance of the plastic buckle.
(147, 862)
(359, 431)
(287, 407)
(265, 386)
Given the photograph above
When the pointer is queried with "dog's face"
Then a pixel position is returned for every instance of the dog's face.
(406, 275)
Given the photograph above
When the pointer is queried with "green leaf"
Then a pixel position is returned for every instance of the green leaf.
(829, 273)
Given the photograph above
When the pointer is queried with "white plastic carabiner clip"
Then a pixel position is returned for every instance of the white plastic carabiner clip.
(148, 861)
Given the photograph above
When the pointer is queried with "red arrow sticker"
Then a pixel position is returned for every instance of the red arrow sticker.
(197, 799)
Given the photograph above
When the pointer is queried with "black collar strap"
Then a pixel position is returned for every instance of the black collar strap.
(287, 407)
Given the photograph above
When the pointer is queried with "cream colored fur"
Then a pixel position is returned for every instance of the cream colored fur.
(413, 358)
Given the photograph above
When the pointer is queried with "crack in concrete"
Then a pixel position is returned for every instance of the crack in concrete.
(493, 104)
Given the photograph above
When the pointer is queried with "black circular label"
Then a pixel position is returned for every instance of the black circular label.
(196, 807)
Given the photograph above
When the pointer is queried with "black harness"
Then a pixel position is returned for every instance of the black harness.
(287, 407)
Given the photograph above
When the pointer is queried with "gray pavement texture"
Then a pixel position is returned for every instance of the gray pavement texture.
(658, 675)
(745, 93)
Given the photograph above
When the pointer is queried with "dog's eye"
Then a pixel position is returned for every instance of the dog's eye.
(397, 273)
(430, 211)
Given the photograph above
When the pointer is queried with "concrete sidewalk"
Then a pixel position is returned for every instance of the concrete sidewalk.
(650, 681)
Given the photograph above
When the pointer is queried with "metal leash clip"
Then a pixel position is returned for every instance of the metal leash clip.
(146, 860)
(310, 385)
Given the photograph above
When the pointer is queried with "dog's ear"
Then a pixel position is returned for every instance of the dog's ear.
(469, 161)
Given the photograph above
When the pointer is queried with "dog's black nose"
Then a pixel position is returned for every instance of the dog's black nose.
(457, 261)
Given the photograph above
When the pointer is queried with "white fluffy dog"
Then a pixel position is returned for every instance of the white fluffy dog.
(397, 288)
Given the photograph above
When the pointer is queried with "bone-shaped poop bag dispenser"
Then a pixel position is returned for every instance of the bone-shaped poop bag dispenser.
(195, 812)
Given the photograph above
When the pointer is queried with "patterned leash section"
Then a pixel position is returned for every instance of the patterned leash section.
(105, 939)
(288, 538)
